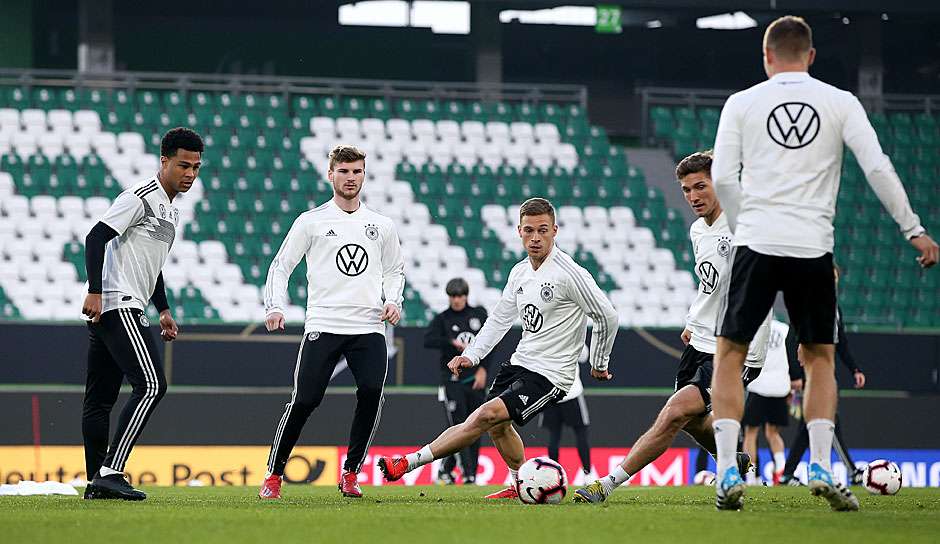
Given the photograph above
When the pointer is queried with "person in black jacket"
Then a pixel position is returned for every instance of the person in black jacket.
(801, 441)
(451, 331)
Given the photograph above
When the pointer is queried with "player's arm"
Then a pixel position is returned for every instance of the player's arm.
(126, 210)
(726, 164)
(757, 350)
(495, 328)
(479, 381)
(393, 276)
(845, 355)
(592, 300)
(686, 334)
(859, 135)
(293, 248)
(793, 361)
(168, 328)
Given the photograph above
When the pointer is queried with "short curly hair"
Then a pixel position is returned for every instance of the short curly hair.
(180, 138)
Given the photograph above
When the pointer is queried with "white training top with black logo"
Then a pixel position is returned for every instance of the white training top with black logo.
(554, 303)
(145, 220)
(712, 246)
(354, 267)
(774, 378)
(784, 137)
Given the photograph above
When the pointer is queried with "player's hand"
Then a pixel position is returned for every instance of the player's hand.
(686, 336)
(929, 250)
(479, 379)
(601, 375)
(859, 380)
(274, 321)
(796, 385)
(459, 363)
(92, 306)
(168, 328)
(391, 314)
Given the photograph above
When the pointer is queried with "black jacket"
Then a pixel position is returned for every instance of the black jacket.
(449, 325)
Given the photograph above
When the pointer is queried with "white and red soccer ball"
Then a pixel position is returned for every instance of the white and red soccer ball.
(882, 477)
(542, 481)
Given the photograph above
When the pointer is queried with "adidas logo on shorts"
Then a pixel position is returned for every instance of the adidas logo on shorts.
(524, 399)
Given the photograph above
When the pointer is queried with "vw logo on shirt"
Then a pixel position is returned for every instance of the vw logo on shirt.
(793, 125)
(709, 277)
(352, 259)
(531, 318)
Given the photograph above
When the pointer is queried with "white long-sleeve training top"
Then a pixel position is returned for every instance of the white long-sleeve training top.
(354, 267)
(553, 303)
(711, 245)
(784, 138)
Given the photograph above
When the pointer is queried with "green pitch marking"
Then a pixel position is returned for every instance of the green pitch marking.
(460, 514)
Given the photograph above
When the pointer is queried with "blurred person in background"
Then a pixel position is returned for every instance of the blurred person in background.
(451, 331)
(766, 404)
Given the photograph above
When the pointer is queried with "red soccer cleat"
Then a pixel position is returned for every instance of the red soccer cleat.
(271, 488)
(393, 468)
(508, 493)
(349, 485)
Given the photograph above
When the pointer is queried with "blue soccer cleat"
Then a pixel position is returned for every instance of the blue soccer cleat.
(821, 484)
(729, 490)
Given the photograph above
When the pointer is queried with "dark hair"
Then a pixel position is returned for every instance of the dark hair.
(346, 153)
(789, 37)
(180, 138)
(457, 287)
(536, 206)
(700, 161)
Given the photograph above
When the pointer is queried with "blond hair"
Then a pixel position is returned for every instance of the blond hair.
(790, 37)
(346, 153)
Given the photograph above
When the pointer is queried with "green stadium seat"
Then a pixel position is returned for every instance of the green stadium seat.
(45, 98)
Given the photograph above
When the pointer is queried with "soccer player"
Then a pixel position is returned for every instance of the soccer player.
(355, 277)
(553, 296)
(451, 331)
(778, 156)
(767, 405)
(688, 408)
(124, 255)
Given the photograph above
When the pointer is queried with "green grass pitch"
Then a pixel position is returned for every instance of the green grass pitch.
(460, 514)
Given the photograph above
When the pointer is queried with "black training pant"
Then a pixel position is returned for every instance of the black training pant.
(367, 358)
(120, 345)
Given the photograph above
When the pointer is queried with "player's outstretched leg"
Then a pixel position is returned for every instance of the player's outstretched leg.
(685, 410)
(512, 450)
(449, 442)
(820, 408)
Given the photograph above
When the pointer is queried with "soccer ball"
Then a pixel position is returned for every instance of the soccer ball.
(542, 481)
(882, 477)
(705, 477)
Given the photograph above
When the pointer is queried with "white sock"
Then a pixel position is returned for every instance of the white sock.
(419, 458)
(780, 460)
(615, 479)
(726, 438)
(107, 471)
(820, 441)
(514, 474)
